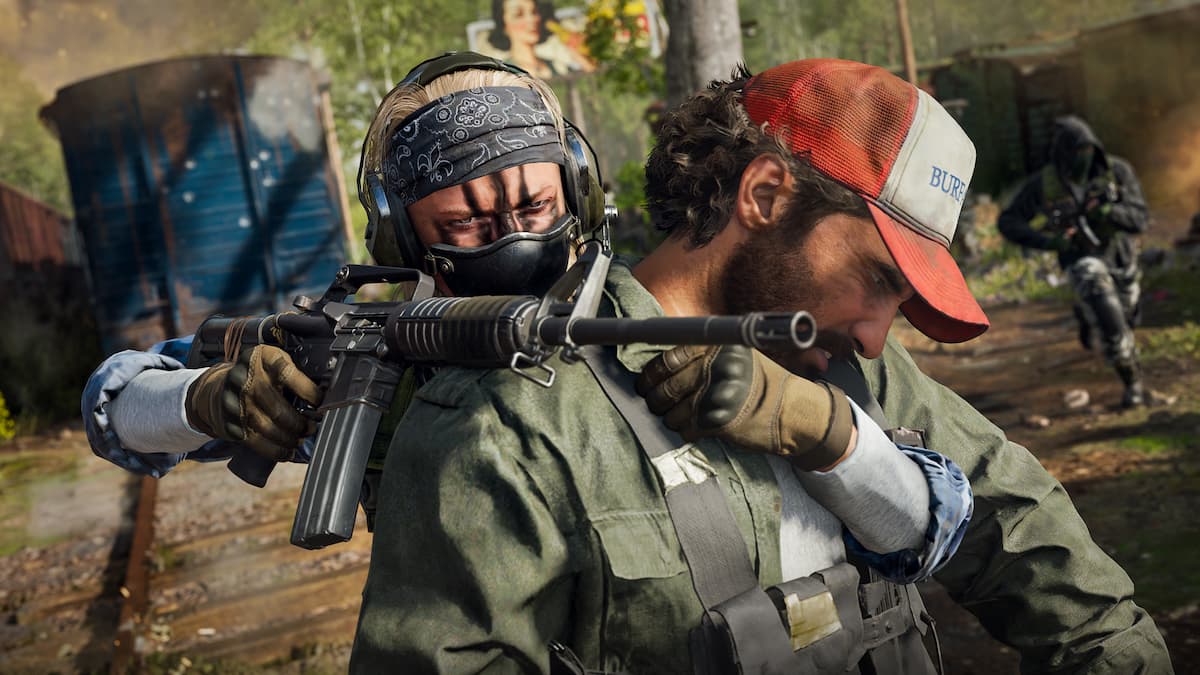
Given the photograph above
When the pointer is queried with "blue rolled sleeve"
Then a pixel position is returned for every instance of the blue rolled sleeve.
(951, 504)
(106, 383)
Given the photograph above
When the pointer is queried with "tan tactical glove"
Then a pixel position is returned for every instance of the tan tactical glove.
(738, 394)
(244, 402)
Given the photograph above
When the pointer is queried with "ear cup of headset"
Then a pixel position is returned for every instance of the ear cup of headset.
(381, 232)
(581, 181)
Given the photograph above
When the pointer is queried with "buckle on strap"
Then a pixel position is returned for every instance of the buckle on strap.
(905, 436)
(682, 465)
(907, 611)
(810, 619)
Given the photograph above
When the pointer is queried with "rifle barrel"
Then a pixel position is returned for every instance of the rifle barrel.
(754, 330)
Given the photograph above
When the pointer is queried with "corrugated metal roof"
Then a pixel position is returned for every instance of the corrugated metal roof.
(31, 232)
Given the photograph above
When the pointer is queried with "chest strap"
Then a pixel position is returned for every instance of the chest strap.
(712, 544)
(894, 615)
(741, 630)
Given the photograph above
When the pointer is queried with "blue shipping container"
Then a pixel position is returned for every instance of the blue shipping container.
(200, 185)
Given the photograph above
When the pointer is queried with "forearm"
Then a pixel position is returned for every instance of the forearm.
(104, 386)
(876, 491)
(1129, 213)
(149, 415)
(1024, 222)
(1031, 573)
(1131, 218)
(1022, 232)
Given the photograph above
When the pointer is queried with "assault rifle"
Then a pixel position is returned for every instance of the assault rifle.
(1100, 192)
(357, 353)
(1078, 220)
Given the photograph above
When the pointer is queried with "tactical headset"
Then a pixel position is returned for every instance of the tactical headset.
(390, 236)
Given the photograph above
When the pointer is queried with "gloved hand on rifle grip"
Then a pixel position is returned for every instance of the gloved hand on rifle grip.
(738, 394)
(245, 402)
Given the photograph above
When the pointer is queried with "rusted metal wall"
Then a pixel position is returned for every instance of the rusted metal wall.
(32, 234)
(48, 342)
(200, 185)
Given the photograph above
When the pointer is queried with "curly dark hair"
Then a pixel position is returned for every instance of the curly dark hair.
(705, 144)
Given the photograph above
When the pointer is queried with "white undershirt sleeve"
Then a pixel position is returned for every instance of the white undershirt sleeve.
(148, 415)
(877, 492)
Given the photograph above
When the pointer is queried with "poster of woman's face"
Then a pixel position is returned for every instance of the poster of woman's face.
(532, 34)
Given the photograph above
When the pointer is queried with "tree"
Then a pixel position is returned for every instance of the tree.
(30, 157)
(705, 44)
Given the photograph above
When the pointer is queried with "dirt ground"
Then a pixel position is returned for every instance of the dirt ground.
(229, 595)
(1133, 475)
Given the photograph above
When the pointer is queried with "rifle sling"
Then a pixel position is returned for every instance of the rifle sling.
(703, 522)
(845, 376)
(711, 541)
(716, 553)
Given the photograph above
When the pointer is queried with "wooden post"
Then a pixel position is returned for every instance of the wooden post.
(339, 177)
(910, 59)
(575, 101)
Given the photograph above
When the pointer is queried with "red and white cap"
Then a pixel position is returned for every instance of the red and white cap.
(897, 148)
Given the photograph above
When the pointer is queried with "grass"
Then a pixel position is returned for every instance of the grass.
(176, 664)
(166, 558)
(22, 469)
(1005, 273)
(1160, 444)
(1165, 566)
(1171, 342)
(18, 472)
(1182, 297)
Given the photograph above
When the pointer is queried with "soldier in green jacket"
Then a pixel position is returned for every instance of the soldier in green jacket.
(512, 516)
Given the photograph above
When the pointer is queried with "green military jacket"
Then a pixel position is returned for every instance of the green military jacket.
(511, 515)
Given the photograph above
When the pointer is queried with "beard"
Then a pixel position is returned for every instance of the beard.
(771, 272)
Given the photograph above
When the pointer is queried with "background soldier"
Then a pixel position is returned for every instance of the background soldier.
(1086, 204)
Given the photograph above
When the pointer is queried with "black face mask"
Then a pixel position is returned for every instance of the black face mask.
(1081, 163)
(521, 263)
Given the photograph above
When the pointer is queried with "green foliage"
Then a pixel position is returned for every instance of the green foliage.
(631, 187)
(633, 233)
(366, 46)
(1006, 274)
(30, 157)
(1182, 297)
(8, 427)
(1158, 444)
(47, 349)
(1170, 343)
(614, 39)
(867, 30)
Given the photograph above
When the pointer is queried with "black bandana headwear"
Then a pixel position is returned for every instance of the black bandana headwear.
(468, 134)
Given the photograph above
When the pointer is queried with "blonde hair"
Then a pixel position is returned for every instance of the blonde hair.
(404, 101)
